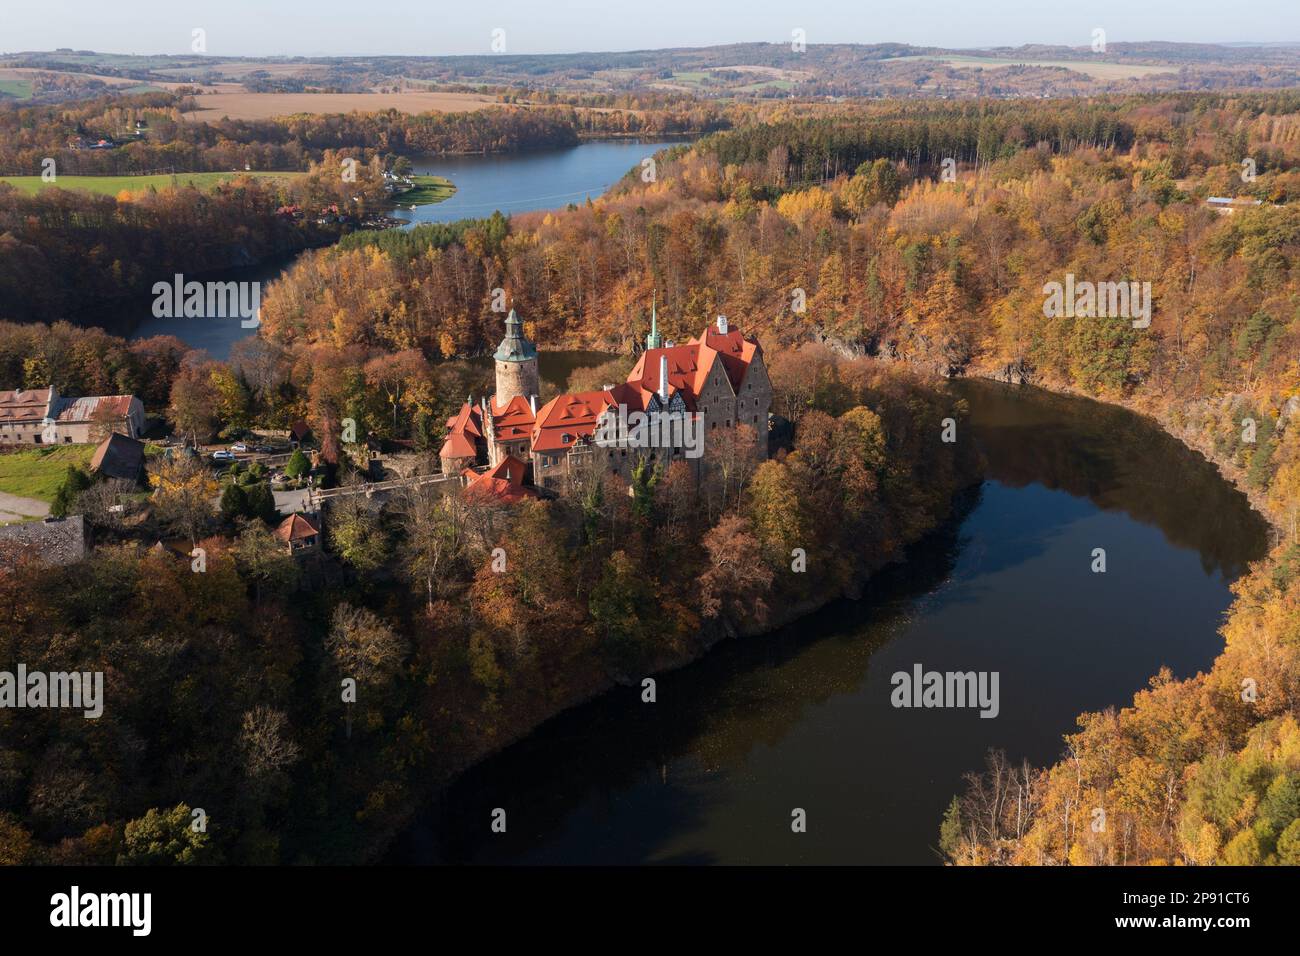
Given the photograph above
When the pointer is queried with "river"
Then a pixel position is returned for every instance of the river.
(510, 182)
(801, 718)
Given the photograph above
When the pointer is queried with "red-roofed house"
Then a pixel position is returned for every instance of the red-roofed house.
(718, 381)
(299, 533)
(42, 417)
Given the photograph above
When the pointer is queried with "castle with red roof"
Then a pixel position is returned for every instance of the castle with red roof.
(705, 388)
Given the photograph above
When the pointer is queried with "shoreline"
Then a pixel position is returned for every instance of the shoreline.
(791, 614)
(1157, 416)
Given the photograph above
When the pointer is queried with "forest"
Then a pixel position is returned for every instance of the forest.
(224, 685)
(169, 141)
(866, 264)
(886, 259)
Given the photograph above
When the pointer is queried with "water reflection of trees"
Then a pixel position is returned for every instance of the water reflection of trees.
(598, 758)
(710, 716)
(1120, 462)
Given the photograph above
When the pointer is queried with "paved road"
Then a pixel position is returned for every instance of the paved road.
(289, 501)
(16, 508)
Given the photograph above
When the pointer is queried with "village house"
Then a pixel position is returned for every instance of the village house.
(119, 456)
(718, 380)
(40, 416)
(1227, 205)
(300, 534)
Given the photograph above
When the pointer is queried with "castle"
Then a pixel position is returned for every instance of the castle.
(679, 402)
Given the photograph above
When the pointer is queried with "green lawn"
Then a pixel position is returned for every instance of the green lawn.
(112, 185)
(22, 89)
(39, 472)
(428, 190)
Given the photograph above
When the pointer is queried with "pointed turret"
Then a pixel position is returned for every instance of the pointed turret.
(654, 340)
(516, 363)
(515, 347)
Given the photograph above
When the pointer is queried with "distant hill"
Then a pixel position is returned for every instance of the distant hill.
(738, 71)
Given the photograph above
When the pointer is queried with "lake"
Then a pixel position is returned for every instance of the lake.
(522, 182)
(510, 182)
(802, 717)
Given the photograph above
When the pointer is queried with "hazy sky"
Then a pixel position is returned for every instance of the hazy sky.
(427, 27)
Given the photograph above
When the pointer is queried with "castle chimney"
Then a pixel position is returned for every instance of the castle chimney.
(663, 378)
(532, 403)
(722, 325)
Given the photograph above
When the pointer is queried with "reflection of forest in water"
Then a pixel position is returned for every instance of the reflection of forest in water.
(801, 717)
(1117, 460)
(711, 715)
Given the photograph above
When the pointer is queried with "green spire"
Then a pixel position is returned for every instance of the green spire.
(515, 347)
(654, 340)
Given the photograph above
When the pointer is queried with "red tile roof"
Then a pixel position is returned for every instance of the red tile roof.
(295, 528)
(504, 482)
(734, 349)
(462, 430)
(513, 419)
(566, 418)
(21, 405)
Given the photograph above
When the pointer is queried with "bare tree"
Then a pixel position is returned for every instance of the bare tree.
(264, 738)
(437, 534)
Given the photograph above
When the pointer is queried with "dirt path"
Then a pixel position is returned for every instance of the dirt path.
(16, 508)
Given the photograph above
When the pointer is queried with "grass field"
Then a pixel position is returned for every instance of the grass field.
(112, 185)
(20, 89)
(428, 190)
(38, 473)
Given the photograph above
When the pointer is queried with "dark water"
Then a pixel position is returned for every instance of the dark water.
(213, 335)
(522, 182)
(802, 717)
(510, 182)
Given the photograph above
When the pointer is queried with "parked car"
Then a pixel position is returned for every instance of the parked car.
(263, 449)
(239, 446)
(223, 455)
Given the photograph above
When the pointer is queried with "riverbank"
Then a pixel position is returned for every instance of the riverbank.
(801, 715)
(1168, 417)
(1211, 799)
(834, 573)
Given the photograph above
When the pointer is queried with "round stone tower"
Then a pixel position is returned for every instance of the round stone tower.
(516, 362)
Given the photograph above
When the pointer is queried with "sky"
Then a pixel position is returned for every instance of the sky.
(438, 27)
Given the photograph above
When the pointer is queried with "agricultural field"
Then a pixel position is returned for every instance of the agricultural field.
(1097, 70)
(255, 106)
(112, 185)
(17, 88)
